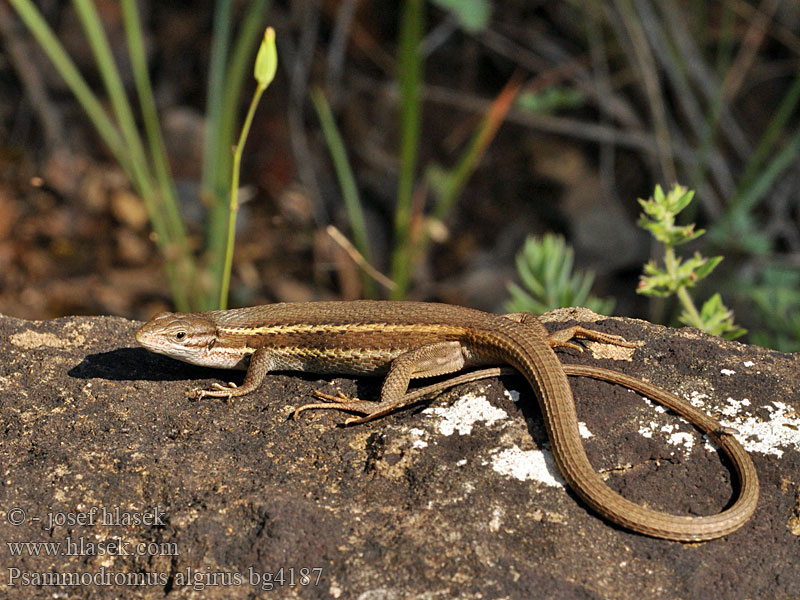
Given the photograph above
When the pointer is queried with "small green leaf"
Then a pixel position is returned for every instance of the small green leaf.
(711, 307)
(658, 195)
(682, 198)
(705, 269)
(717, 319)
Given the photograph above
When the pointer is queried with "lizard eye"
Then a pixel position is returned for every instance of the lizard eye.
(180, 336)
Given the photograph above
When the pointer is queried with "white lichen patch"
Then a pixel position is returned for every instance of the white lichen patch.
(656, 407)
(734, 407)
(418, 442)
(764, 436)
(676, 431)
(682, 439)
(698, 399)
(462, 415)
(526, 465)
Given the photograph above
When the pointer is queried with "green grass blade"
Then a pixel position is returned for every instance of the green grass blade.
(215, 90)
(112, 81)
(409, 77)
(108, 131)
(158, 152)
(347, 183)
(41, 31)
(239, 68)
(172, 239)
(747, 199)
(469, 160)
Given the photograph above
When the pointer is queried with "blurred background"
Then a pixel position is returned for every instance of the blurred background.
(435, 137)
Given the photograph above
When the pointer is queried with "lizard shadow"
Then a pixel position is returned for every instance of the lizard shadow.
(137, 364)
(133, 364)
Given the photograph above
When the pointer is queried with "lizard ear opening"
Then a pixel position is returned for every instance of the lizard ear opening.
(213, 341)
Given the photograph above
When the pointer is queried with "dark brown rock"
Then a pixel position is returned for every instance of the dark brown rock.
(452, 500)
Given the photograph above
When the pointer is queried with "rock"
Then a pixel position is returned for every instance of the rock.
(457, 498)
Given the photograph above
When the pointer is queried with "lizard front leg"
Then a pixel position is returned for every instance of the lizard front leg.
(432, 360)
(261, 362)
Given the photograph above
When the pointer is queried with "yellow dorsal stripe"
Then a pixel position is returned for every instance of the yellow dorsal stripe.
(305, 328)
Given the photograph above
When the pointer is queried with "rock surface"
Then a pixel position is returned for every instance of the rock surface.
(128, 488)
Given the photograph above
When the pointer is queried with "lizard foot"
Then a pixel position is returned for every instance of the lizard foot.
(337, 402)
(562, 337)
(219, 391)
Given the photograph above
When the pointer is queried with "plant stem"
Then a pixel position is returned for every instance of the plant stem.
(670, 263)
(233, 209)
(691, 310)
(220, 155)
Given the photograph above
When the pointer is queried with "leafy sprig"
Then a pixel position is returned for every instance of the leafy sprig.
(678, 275)
(544, 266)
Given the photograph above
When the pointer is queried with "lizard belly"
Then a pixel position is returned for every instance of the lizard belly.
(351, 361)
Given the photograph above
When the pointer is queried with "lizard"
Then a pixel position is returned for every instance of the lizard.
(404, 340)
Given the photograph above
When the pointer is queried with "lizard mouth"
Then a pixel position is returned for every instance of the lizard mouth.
(145, 337)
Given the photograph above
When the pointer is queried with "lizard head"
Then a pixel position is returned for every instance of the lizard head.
(189, 337)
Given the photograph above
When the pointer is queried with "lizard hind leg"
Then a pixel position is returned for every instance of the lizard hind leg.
(431, 360)
(562, 337)
(338, 401)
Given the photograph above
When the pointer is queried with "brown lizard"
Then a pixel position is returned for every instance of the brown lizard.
(409, 340)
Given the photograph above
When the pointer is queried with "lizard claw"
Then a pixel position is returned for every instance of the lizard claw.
(724, 430)
(224, 388)
(339, 398)
(218, 391)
